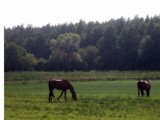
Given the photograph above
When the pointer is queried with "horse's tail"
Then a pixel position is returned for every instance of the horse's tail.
(50, 90)
(138, 88)
(49, 85)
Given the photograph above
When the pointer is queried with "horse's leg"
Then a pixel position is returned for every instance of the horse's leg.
(138, 92)
(60, 95)
(142, 93)
(65, 95)
(49, 98)
(50, 95)
(147, 91)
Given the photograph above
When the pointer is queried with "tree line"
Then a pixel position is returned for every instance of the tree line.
(117, 44)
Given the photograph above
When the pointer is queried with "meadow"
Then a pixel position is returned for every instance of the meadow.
(101, 96)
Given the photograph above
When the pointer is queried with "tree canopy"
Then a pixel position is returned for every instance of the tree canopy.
(117, 44)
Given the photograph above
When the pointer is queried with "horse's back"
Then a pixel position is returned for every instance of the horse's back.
(144, 84)
(60, 84)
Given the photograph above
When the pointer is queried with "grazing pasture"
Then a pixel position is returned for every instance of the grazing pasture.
(97, 100)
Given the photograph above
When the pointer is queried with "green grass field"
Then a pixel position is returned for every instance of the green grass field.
(97, 100)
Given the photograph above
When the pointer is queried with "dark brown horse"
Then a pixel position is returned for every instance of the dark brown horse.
(63, 85)
(143, 85)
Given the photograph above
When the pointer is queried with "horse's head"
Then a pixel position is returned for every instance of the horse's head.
(74, 96)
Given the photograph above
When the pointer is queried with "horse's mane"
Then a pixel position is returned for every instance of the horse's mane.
(69, 84)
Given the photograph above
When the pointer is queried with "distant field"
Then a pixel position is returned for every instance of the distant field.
(97, 100)
(82, 76)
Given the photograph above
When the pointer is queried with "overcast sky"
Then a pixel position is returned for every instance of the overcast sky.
(42, 12)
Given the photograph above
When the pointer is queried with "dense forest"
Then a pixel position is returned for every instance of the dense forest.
(117, 44)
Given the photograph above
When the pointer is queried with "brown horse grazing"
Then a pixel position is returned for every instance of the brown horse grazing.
(143, 85)
(63, 85)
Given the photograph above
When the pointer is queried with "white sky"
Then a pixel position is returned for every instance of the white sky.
(42, 12)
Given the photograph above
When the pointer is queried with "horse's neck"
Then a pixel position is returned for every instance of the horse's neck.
(71, 88)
